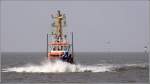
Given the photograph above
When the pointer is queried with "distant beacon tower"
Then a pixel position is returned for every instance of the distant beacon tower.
(146, 50)
(60, 44)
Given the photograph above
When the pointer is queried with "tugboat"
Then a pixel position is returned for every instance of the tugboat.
(59, 45)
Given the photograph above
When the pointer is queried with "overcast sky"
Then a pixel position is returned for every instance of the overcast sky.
(97, 25)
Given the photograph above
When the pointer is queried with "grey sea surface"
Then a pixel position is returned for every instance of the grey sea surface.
(130, 67)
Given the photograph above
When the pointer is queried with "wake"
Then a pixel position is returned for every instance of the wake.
(60, 66)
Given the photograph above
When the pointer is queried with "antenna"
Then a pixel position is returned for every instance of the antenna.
(53, 23)
(64, 17)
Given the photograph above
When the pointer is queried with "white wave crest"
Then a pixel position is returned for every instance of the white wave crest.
(60, 66)
(57, 66)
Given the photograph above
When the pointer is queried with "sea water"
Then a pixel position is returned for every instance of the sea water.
(88, 68)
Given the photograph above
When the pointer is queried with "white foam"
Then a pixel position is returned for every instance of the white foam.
(57, 66)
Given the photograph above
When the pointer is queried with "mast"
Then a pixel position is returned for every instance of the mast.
(58, 24)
